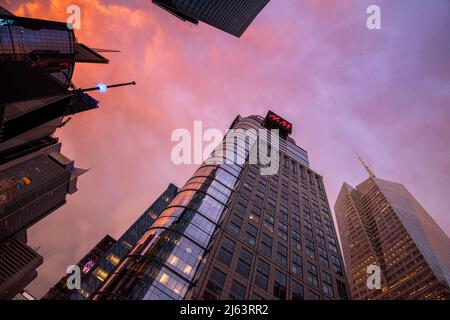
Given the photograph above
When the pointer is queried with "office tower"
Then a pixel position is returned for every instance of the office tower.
(37, 61)
(96, 270)
(18, 266)
(231, 16)
(380, 223)
(33, 189)
(237, 231)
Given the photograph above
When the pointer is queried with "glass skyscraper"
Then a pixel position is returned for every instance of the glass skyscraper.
(102, 260)
(382, 224)
(231, 16)
(37, 60)
(232, 232)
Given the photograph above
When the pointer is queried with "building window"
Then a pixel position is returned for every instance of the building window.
(214, 285)
(282, 231)
(313, 296)
(271, 206)
(296, 225)
(307, 214)
(309, 249)
(250, 235)
(308, 229)
(241, 206)
(259, 198)
(226, 251)
(297, 240)
(328, 227)
(269, 222)
(297, 291)
(237, 291)
(283, 213)
(100, 274)
(323, 257)
(279, 285)
(342, 290)
(255, 214)
(244, 263)
(337, 267)
(327, 284)
(256, 296)
(312, 276)
(320, 237)
(113, 259)
(297, 265)
(84, 293)
(317, 219)
(265, 245)
(282, 255)
(332, 245)
(235, 225)
(180, 264)
(262, 274)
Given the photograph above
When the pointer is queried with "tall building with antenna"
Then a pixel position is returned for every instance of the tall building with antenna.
(381, 224)
(236, 231)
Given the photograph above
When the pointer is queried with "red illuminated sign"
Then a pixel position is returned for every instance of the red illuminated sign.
(273, 120)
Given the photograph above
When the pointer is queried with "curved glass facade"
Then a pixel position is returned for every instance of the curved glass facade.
(164, 263)
(38, 42)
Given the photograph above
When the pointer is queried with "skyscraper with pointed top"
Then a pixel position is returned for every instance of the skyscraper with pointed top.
(381, 223)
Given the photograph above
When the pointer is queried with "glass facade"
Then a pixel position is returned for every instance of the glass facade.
(227, 235)
(44, 44)
(231, 16)
(382, 224)
(96, 270)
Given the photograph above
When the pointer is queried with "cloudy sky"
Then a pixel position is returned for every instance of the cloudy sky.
(383, 93)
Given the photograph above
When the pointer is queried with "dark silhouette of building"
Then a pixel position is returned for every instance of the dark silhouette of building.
(382, 224)
(37, 61)
(235, 231)
(231, 16)
(96, 269)
(18, 266)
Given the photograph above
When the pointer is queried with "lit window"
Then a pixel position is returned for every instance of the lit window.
(84, 293)
(100, 274)
(113, 259)
(164, 279)
(174, 260)
(187, 269)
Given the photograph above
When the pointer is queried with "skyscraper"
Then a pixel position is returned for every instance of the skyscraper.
(381, 224)
(231, 16)
(234, 232)
(37, 61)
(102, 260)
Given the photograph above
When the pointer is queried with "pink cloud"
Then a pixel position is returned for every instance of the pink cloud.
(346, 89)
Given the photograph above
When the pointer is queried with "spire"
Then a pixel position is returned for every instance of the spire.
(370, 172)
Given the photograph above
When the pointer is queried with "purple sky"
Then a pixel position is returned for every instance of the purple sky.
(383, 93)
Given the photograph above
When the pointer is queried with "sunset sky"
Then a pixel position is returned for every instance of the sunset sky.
(384, 93)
